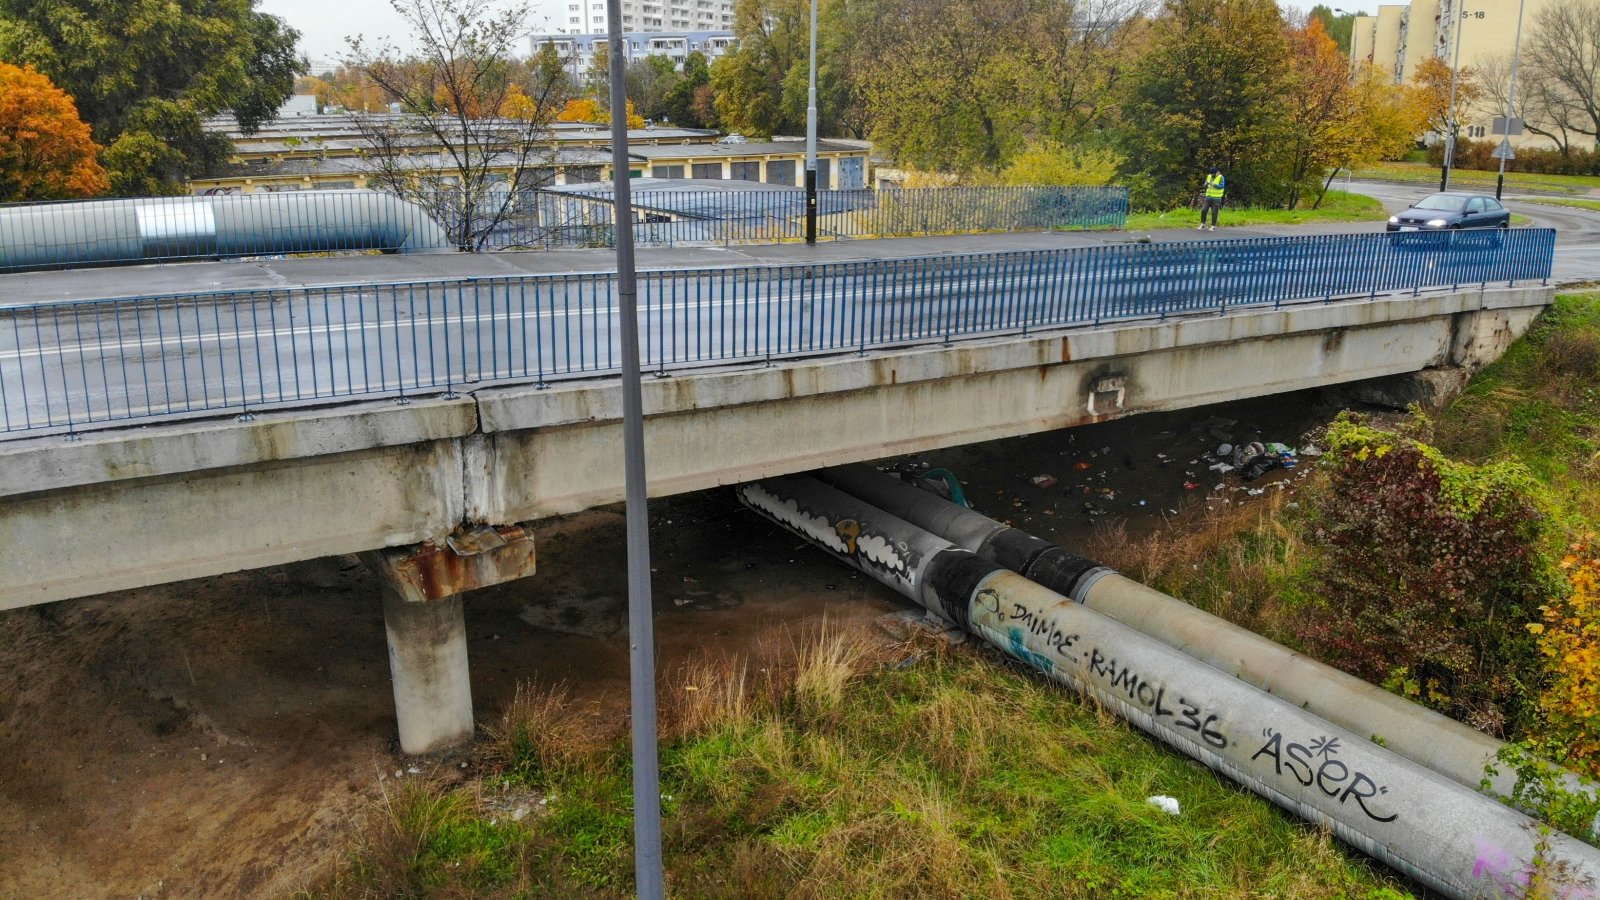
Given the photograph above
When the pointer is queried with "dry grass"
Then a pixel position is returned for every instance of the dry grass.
(424, 838)
(1239, 561)
(539, 731)
(825, 668)
(854, 768)
(706, 695)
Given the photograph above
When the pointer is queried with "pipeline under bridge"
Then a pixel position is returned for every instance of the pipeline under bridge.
(1417, 819)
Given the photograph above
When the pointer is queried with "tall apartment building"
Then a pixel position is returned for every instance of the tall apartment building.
(589, 16)
(578, 50)
(1400, 37)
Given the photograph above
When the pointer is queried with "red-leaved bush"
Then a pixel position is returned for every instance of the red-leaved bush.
(1428, 572)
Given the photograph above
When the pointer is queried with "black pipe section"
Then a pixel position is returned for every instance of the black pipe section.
(1035, 559)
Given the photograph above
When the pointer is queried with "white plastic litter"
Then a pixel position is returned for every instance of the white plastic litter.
(1164, 803)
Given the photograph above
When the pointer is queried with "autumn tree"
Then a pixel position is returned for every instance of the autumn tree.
(470, 120)
(1319, 116)
(962, 85)
(1049, 162)
(754, 81)
(1208, 91)
(1338, 25)
(583, 109)
(1432, 81)
(648, 81)
(1388, 118)
(679, 102)
(1536, 102)
(146, 73)
(45, 150)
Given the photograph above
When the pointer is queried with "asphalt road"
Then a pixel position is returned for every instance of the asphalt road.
(1577, 230)
(65, 365)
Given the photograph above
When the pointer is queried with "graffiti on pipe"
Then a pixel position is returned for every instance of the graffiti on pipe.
(846, 536)
(1018, 622)
(1153, 697)
(1315, 763)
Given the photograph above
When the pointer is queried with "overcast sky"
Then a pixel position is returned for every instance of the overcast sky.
(323, 24)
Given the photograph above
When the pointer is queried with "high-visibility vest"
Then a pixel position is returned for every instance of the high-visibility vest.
(1215, 184)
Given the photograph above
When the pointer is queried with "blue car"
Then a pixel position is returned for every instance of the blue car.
(1437, 212)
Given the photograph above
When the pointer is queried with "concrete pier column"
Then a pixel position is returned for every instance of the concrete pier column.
(428, 665)
(426, 626)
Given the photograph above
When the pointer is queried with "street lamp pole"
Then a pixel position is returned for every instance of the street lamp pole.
(811, 135)
(1450, 113)
(647, 868)
(1511, 99)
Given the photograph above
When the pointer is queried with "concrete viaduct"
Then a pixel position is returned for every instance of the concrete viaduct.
(435, 492)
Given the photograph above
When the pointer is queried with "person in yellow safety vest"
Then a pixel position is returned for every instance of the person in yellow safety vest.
(1216, 186)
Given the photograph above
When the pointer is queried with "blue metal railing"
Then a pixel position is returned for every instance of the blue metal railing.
(553, 219)
(73, 364)
(110, 232)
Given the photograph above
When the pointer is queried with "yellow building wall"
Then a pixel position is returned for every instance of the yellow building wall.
(1386, 41)
(1362, 30)
(1421, 36)
(1400, 38)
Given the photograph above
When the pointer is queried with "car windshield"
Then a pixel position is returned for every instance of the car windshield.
(1447, 202)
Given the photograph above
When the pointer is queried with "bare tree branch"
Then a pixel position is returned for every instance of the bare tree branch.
(470, 126)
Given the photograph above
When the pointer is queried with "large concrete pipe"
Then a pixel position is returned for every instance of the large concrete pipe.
(1414, 731)
(1423, 824)
(112, 232)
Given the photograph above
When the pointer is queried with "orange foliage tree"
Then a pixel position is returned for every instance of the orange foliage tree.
(1569, 638)
(1432, 81)
(584, 109)
(1317, 107)
(45, 149)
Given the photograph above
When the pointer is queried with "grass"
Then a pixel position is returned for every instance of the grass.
(869, 770)
(1580, 204)
(1540, 404)
(1337, 206)
(1422, 173)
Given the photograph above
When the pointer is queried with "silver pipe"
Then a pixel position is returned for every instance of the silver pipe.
(1429, 827)
(1420, 734)
(112, 232)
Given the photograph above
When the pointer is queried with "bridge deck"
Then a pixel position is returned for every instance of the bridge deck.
(20, 289)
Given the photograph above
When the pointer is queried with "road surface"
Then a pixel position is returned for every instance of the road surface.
(64, 365)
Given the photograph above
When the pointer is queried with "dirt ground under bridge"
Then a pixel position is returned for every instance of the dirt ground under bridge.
(216, 737)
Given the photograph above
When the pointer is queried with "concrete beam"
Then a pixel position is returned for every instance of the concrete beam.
(538, 454)
(92, 538)
(183, 501)
(426, 626)
(50, 463)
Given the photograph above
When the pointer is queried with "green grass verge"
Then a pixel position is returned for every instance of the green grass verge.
(1423, 174)
(1580, 204)
(1540, 405)
(935, 772)
(1337, 206)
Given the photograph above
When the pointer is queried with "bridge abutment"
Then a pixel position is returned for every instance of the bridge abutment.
(425, 622)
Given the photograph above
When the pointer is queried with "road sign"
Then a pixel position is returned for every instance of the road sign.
(1504, 151)
(1501, 125)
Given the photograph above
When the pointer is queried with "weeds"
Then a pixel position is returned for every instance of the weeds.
(866, 769)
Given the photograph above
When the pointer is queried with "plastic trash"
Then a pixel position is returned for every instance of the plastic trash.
(1168, 805)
